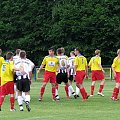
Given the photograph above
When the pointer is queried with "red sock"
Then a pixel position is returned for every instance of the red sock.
(1, 100)
(53, 93)
(115, 92)
(101, 88)
(42, 91)
(83, 93)
(57, 86)
(92, 89)
(12, 100)
(66, 89)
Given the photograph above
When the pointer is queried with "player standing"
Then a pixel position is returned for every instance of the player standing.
(7, 82)
(24, 77)
(97, 73)
(63, 72)
(81, 70)
(116, 72)
(51, 63)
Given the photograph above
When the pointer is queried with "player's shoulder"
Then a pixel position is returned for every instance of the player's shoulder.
(116, 58)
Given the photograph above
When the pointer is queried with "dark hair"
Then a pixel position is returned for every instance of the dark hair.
(9, 55)
(77, 49)
(18, 51)
(59, 51)
(22, 54)
(51, 49)
(63, 49)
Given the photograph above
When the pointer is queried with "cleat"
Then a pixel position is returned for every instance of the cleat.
(13, 110)
(21, 108)
(57, 97)
(28, 107)
(114, 99)
(91, 95)
(84, 100)
(40, 99)
(87, 96)
(0, 109)
(78, 96)
(101, 94)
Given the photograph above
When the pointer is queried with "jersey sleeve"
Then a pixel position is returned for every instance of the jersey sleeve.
(114, 63)
(44, 61)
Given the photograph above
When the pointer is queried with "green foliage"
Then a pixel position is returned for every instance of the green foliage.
(36, 25)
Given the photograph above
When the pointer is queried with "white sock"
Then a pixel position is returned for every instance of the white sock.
(20, 100)
(27, 98)
(71, 90)
(16, 92)
(77, 90)
(56, 92)
(23, 95)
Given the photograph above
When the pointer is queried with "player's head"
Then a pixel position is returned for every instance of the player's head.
(97, 52)
(77, 51)
(72, 53)
(0, 51)
(22, 54)
(63, 50)
(51, 51)
(118, 52)
(18, 51)
(9, 56)
(59, 51)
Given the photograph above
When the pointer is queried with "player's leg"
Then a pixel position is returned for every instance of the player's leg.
(101, 88)
(45, 81)
(56, 92)
(92, 88)
(12, 100)
(115, 92)
(77, 91)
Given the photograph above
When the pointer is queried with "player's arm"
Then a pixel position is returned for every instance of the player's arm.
(90, 63)
(99, 64)
(76, 64)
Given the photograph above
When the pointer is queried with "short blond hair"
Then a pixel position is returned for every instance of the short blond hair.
(97, 52)
(118, 51)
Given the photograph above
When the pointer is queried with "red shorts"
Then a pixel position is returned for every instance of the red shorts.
(97, 75)
(49, 76)
(117, 79)
(80, 76)
(7, 88)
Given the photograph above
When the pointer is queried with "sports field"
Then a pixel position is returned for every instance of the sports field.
(96, 108)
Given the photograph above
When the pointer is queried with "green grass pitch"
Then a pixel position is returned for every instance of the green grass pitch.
(96, 108)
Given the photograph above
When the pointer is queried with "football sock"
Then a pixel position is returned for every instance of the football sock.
(92, 89)
(101, 88)
(12, 100)
(42, 91)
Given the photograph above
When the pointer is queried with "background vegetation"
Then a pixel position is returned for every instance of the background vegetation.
(36, 25)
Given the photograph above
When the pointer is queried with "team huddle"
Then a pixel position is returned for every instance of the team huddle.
(16, 75)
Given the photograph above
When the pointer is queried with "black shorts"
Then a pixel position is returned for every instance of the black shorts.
(23, 85)
(15, 77)
(71, 78)
(62, 77)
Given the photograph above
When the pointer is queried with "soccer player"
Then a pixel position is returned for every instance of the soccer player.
(63, 72)
(81, 70)
(51, 63)
(7, 82)
(116, 72)
(15, 59)
(1, 61)
(24, 77)
(97, 72)
(72, 71)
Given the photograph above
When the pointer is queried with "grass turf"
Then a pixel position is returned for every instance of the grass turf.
(96, 108)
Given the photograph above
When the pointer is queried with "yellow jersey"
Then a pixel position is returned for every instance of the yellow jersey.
(1, 61)
(81, 63)
(51, 63)
(116, 64)
(94, 63)
(7, 70)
